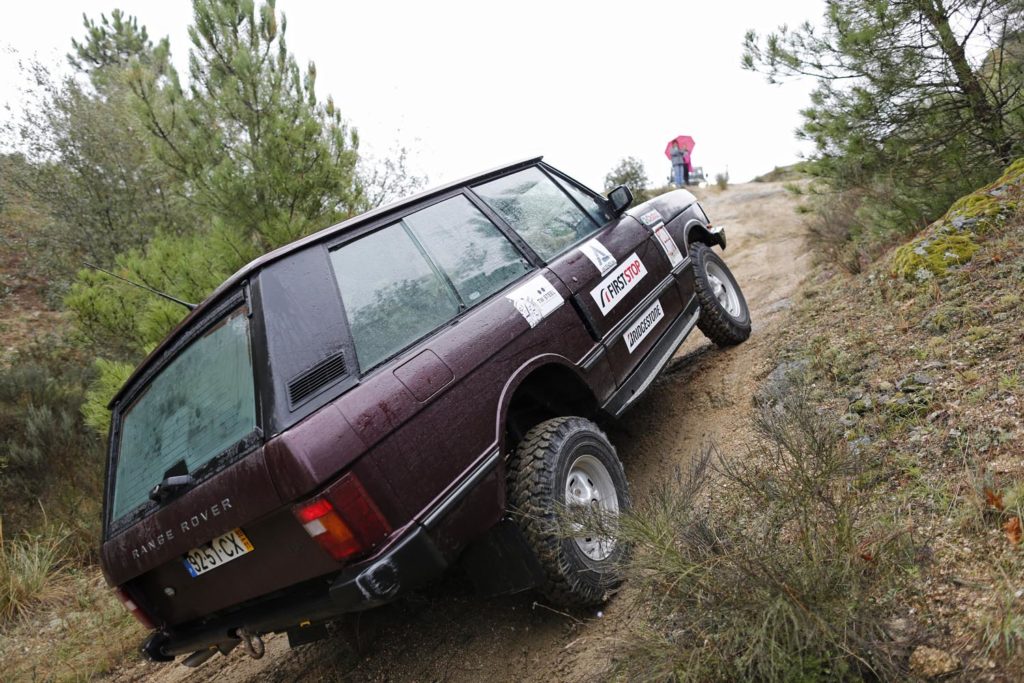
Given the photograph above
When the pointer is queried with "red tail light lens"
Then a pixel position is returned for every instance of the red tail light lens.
(133, 607)
(322, 523)
(343, 520)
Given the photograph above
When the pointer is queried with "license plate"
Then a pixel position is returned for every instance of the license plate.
(220, 550)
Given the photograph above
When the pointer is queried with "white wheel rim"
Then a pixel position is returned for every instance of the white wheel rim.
(590, 486)
(722, 289)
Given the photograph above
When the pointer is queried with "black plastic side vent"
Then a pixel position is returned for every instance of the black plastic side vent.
(316, 378)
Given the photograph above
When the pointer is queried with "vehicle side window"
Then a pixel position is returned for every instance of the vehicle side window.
(393, 295)
(468, 248)
(539, 211)
(598, 210)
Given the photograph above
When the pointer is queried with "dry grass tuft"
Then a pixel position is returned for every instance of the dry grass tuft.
(31, 571)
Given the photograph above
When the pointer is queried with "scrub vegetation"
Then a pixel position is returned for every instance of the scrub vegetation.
(779, 575)
(873, 528)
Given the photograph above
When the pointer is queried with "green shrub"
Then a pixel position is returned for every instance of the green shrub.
(110, 376)
(50, 461)
(775, 576)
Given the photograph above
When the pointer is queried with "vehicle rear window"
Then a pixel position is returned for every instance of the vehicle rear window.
(539, 211)
(199, 406)
(393, 295)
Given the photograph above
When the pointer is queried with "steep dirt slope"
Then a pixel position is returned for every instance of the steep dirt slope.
(447, 634)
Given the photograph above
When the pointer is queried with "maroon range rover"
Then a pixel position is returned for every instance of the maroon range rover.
(349, 415)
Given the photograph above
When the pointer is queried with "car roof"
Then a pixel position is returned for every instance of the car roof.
(327, 233)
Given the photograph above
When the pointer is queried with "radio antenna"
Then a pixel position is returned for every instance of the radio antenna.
(141, 286)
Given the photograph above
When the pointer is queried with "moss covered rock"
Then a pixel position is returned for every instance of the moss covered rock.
(953, 239)
(931, 255)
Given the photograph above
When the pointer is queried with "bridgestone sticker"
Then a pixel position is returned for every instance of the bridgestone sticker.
(598, 255)
(535, 300)
(669, 245)
(649, 319)
(618, 284)
(651, 217)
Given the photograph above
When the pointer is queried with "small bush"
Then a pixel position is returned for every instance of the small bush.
(833, 226)
(44, 430)
(772, 575)
(722, 180)
(49, 459)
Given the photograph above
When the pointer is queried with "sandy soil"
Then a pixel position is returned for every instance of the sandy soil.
(448, 634)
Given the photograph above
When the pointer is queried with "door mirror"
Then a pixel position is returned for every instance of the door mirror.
(620, 199)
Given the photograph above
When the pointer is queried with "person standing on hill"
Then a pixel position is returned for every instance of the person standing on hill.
(680, 166)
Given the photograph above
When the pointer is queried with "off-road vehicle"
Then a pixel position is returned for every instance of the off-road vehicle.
(349, 415)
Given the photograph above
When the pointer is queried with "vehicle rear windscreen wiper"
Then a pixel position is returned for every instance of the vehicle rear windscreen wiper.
(175, 479)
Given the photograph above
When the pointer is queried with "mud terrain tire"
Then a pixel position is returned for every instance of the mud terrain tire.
(715, 282)
(538, 478)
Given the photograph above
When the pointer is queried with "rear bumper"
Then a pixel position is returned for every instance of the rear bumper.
(411, 562)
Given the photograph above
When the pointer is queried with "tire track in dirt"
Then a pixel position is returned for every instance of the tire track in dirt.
(448, 634)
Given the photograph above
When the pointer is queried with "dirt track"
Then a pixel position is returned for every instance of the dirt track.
(450, 635)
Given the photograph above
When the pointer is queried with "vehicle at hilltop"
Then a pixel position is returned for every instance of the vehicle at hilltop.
(351, 414)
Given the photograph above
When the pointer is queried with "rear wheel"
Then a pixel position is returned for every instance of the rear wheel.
(568, 464)
(724, 316)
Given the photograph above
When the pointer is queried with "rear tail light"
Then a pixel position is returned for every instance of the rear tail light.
(134, 608)
(343, 520)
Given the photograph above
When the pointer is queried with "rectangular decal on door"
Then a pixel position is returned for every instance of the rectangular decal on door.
(619, 282)
(651, 217)
(598, 255)
(648, 321)
(535, 300)
(668, 244)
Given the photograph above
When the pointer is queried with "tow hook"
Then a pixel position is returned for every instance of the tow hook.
(252, 643)
(152, 649)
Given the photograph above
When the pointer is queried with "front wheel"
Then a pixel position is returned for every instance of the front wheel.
(564, 465)
(724, 316)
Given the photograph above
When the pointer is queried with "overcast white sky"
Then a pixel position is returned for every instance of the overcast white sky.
(467, 86)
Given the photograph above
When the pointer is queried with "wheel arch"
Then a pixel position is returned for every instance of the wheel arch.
(548, 386)
(696, 231)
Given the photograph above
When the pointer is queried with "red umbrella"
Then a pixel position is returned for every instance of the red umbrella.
(684, 142)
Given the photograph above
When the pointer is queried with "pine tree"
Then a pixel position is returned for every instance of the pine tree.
(248, 133)
(905, 116)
